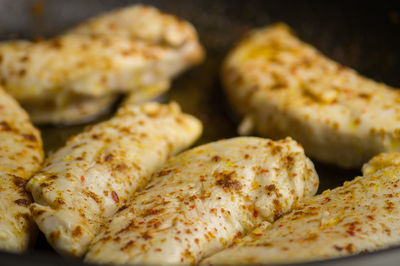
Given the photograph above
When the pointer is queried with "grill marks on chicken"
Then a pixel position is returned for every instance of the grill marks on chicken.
(96, 173)
(361, 216)
(284, 87)
(20, 157)
(77, 75)
(203, 199)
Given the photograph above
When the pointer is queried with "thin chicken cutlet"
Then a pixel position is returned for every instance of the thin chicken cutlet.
(284, 87)
(96, 172)
(361, 216)
(203, 199)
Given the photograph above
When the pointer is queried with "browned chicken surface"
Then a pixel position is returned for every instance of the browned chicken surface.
(363, 215)
(20, 157)
(96, 172)
(77, 75)
(285, 87)
(204, 198)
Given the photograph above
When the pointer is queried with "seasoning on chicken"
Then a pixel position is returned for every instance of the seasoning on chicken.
(141, 23)
(361, 216)
(96, 173)
(97, 61)
(203, 199)
(20, 157)
(284, 87)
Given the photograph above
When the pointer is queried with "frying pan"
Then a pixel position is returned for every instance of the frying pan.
(362, 35)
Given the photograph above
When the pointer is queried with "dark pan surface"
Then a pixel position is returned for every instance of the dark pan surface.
(361, 35)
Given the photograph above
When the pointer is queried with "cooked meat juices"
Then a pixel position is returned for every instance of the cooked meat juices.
(20, 157)
(361, 216)
(81, 109)
(284, 87)
(63, 79)
(96, 173)
(203, 199)
(87, 108)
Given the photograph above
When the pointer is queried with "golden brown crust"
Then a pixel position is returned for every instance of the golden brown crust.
(203, 199)
(21, 155)
(87, 181)
(361, 216)
(95, 61)
(284, 87)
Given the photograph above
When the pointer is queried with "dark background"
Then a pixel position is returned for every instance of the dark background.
(364, 35)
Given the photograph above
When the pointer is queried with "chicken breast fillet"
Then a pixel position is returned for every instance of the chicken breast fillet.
(20, 157)
(139, 22)
(284, 87)
(96, 173)
(361, 216)
(203, 199)
(100, 59)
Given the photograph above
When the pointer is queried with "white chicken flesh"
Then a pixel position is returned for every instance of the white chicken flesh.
(96, 172)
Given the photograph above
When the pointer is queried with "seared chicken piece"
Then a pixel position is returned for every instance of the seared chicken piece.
(139, 22)
(361, 216)
(20, 157)
(96, 173)
(203, 199)
(98, 60)
(284, 87)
